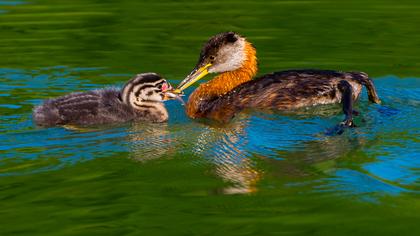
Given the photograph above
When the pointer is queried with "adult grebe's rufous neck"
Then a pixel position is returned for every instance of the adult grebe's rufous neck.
(223, 83)
(228, 54)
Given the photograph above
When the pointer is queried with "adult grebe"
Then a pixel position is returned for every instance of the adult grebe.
(233, 89)
(139, 100)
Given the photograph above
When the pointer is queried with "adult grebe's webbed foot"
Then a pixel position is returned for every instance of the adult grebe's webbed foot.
(347, 123)
(340, 128)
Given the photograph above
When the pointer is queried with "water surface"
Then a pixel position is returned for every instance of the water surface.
(262, 174)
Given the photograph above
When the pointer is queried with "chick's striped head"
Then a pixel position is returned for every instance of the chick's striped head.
(146, 87)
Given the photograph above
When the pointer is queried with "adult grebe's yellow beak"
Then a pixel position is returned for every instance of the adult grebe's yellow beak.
(195, 75)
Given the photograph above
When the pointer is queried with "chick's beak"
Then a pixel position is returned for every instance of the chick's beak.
(195, 75)
(170, 95)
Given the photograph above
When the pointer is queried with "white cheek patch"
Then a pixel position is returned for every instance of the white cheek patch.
(132, 97)
(230, 57)
(150, 94)
(155, 97)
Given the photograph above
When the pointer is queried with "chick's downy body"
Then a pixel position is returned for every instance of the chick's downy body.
(139, 100)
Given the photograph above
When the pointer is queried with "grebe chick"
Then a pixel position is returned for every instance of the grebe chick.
(139, 100)
(233, 89)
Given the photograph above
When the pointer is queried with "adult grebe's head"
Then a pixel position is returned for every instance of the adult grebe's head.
(146, 87)
(221, 53)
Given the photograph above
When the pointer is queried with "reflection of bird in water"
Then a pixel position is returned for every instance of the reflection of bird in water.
(150, 141)
(139, 100)
(243, 176)
(225, 149)
(233, 89)
(315, 157)
(338, 164)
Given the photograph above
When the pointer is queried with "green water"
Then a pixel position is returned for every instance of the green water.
(263, 174)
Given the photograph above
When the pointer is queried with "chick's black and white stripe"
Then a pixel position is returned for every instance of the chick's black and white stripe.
(140, 99)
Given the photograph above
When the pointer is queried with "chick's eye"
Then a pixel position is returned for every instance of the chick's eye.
(212, 57)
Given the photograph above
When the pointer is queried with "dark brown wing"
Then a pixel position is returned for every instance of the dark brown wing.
(280, 90)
